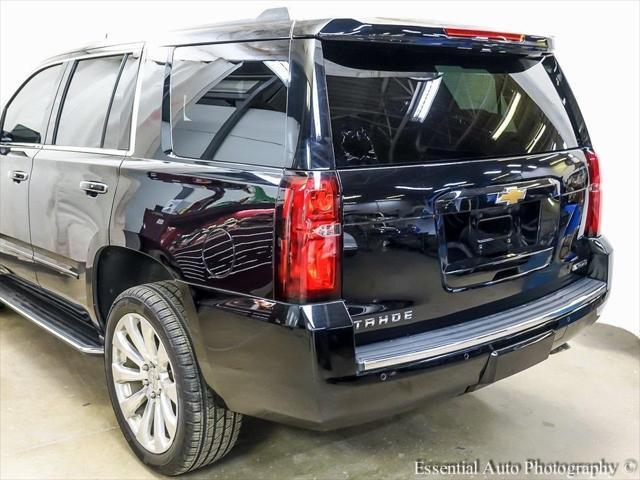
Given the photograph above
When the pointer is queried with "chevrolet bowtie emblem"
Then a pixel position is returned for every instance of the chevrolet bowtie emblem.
(511, 195)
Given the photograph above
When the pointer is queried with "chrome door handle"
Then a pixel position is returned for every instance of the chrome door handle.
(7, 149)
(18, 176)
(94, 188)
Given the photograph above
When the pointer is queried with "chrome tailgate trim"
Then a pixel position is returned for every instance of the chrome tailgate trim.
(435, 343)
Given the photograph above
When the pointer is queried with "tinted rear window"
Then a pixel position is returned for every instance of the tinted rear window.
(403, 105)
(228, 102)
(86, 104)
(118, 128)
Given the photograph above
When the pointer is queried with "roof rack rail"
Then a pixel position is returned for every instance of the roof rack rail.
(273, 14)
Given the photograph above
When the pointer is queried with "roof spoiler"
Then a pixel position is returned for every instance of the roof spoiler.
(468, 39)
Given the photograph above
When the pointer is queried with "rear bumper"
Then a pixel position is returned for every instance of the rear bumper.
(468, 335)
(299, 364)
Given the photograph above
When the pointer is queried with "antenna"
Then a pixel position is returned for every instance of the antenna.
(272, 14)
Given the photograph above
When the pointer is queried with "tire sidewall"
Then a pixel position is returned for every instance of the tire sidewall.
(131, 304)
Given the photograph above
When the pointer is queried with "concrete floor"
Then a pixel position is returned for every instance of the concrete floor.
(580, 406)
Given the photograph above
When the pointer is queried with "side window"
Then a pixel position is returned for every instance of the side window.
(81, 121)
(28, 112)
(119, 122)
(228, 102)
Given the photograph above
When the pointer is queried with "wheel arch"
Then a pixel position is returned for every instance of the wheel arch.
(118, 269)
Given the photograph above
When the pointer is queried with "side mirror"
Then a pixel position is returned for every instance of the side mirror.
(22, 133)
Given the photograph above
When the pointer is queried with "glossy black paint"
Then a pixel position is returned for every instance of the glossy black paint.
(308, 108)
(210, 226)
(304, 374)
(391, 222)
(68, 226)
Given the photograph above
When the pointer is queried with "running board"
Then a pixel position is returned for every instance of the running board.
(63, 322)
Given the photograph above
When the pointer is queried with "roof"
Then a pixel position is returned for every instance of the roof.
(276, 24)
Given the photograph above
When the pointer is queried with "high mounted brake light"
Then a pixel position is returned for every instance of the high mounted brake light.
(310, 238)
(488, 34)
(594, 211)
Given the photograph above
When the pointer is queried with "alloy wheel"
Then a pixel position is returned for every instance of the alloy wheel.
(144, 383)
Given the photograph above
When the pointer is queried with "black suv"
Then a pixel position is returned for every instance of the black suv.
(313, 222)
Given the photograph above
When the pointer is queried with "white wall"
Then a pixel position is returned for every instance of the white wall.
(597, 44)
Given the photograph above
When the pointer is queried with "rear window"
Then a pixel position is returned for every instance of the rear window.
(116, 135)
(228, 102)
(86, 103)
(401, 105)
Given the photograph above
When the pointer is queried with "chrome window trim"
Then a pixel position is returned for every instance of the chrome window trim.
(134, 49)
(124, 50)
(97, 150)
(136, 101)
(22, 145)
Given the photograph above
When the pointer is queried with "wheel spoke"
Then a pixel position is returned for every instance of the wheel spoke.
(169, 417)
(144, 427)
(158, 427)
(163, 358)
(149, 336)
(169, 389)
(122, 374)
(132, 329)
(121, 343)
(130, 404)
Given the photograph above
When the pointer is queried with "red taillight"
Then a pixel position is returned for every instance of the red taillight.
(310, 238)
(594, 211)
(470, 33)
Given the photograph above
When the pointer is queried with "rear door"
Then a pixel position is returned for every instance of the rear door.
(463, 183)
(75, 175)
(23, 130)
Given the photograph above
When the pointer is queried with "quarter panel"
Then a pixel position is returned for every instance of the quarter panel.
(210, 225)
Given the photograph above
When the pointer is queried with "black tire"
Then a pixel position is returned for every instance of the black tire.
(206, 430)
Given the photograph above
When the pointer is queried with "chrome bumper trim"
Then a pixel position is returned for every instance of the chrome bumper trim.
(460, 337)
